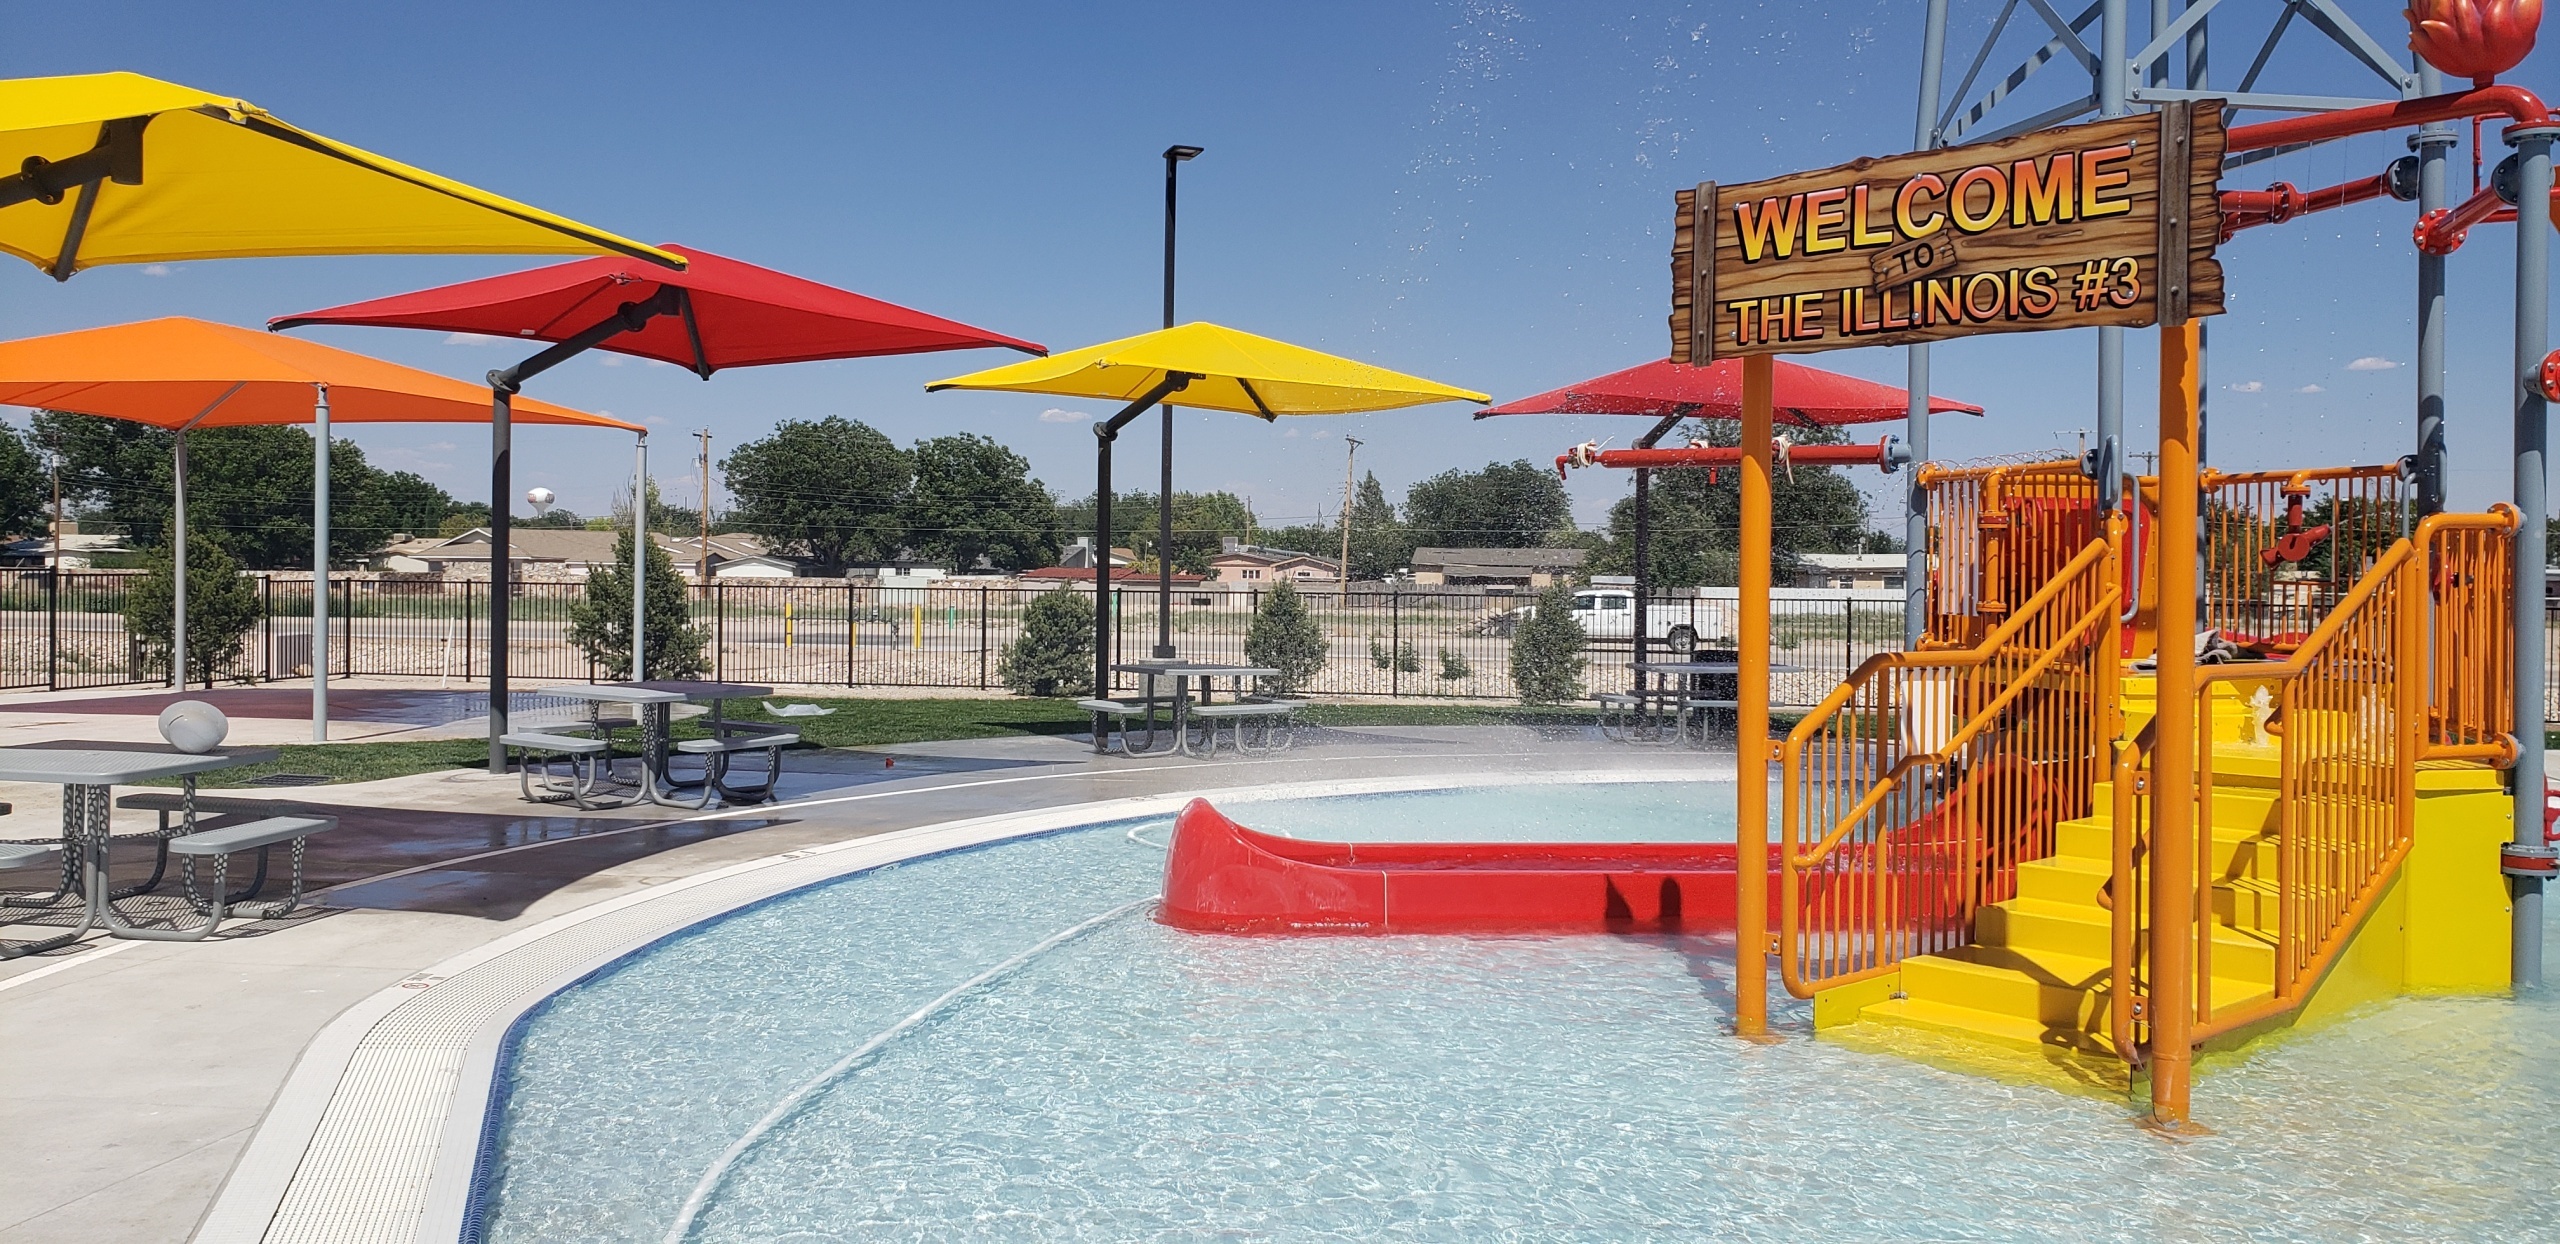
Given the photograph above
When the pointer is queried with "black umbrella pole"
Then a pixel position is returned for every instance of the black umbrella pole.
(1102, 437)
(501, 468)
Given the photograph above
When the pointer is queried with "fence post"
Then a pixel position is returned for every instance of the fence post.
(982, 637)
(848, 632)
(1395, 643)
(1848, 635)
(719, 627)
(53, 624)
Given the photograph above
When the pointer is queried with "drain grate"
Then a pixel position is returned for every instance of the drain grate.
(290, 779)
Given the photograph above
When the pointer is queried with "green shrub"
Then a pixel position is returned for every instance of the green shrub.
(1454, 667)
(1054, 655)
(600, 621)
(1546, 652)
(1285, 637)
(222, 608)
(1403, 657)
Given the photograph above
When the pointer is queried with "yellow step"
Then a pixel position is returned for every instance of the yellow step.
(2027, 924)
(2063, 879)
(2236, 852)
(1979, 1025)
(2057, 991)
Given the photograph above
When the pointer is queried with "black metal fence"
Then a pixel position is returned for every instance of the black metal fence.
(68, 631)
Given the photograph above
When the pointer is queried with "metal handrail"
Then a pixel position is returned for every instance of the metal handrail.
(1943, 658)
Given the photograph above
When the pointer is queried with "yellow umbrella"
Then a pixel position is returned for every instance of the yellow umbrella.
(1223, 369)
(1211, 366)
(118, 168)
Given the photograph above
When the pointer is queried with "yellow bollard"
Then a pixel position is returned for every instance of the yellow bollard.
(915, 625)
(786, 623)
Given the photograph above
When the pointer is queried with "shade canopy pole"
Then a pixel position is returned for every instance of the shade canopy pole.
(1751, 699)
(2532, 498)
(1103, 434)
(1644, 542)
(640, 558)
(319, 563)
(178, 565)
(504, 384)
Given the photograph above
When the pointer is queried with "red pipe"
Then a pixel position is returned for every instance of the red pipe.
(1881, 454)
(2245, 209)
(2441, 231)
(2516, 103)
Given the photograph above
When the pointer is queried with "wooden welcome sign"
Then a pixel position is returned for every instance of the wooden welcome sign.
(2061, 228)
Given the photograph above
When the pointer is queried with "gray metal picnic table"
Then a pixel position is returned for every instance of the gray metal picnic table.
(1182, 672)
(88, 778)
(652, 705)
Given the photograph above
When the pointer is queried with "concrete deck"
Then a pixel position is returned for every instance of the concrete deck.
(138, 1072)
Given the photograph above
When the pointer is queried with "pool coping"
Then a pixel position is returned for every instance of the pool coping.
(377, 1131)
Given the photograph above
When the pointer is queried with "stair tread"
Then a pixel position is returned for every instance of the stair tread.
(1946, 1017)
(2090, 913)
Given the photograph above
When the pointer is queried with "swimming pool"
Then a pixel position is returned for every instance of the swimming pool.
(1139, 1082)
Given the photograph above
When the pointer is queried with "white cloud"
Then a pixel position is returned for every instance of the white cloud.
(2250, 386)
(2311, 388)
(2371, 362)
(608, 360)
(473, 339)
(1056, 414)
(157, 269)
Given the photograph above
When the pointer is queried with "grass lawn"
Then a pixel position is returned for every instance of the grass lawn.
(861, 723)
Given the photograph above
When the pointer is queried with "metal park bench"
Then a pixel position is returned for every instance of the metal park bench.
(586, 763)
(1278, 719)
(33, 855)
(1120, 712)
(730, 739)
(197, 813)
(222, 844)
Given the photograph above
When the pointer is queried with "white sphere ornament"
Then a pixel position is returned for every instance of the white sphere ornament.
(193, 726)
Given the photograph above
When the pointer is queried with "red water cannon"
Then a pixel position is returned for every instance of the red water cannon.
(2548, 376)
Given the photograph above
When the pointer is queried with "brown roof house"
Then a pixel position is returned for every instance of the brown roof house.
(1241, 567)
(1530, 569)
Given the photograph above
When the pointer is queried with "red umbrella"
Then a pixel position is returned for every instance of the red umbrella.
(1661, 389)
(716, 313)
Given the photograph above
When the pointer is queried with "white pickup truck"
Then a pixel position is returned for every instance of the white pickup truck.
(1610, 613)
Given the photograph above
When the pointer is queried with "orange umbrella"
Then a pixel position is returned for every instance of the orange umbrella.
(182, 374)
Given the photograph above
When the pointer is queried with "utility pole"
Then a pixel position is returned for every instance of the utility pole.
(1342, 569)
(702, 459)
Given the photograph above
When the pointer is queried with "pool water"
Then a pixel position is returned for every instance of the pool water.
(1137, 1082)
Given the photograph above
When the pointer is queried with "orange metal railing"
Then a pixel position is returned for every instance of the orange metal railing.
(2282, 548)
(2410, 665)
(1911, 794)
(1996, 534)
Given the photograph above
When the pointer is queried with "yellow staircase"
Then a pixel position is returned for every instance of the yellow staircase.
(2036, 973)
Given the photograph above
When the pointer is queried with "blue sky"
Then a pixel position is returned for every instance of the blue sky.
(1476, 192)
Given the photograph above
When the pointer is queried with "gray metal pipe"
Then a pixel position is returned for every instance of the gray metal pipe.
(178, 570)
(1915, 423)
(2112, 68)
(319, 563)
(2431, 143)
(501, 507)
(640, 558)
(2532, 445)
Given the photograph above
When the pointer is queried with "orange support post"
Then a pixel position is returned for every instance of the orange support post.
(1751, 715)
(2171, 1007)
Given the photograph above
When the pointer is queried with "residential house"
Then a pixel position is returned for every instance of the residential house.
(79, 548)
(1079, 556)
(1242, 566)
(1526, 569)
(565, 553)
(1872, 571)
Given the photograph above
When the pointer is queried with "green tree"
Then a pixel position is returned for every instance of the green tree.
(249, 487)
(1513, 505)
(26, 496)
(1054, 654)
(1285, 637)
(1546, 652)
(1380, 543)
(975, 498)
(1697, 520)
(222, 608)
(830, 491)
(600, 621)
(1200, 521)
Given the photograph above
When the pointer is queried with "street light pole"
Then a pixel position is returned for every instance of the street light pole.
(1174, 158)
(1342, 569)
